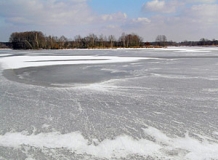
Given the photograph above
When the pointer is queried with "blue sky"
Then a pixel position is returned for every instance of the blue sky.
(130, 7)
(179, 20)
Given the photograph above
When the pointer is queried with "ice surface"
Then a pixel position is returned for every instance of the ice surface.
(109, 104)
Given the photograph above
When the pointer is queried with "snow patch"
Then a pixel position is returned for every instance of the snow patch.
(211, 90)
(113, 70)
(161, 145)
(3, 55)
(195, 149)
(35, 61)
(101, 87)
(119, 147)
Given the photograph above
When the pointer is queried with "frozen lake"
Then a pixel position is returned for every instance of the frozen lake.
(128, 104)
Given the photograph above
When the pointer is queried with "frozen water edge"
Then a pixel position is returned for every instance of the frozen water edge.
(164, 110)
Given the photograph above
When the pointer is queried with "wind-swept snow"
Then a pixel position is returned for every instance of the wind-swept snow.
(160, 146)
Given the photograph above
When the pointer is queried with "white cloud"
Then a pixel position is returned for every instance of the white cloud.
(186, 20)
(155, 5)
(114, 17)
(200, 1)
(142, 20)
(204, 12)
(178, 20)
(57, 17)
(135, 25)
(48, 12)
(161, 6)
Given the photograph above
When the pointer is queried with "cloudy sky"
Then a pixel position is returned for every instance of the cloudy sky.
(177, 19)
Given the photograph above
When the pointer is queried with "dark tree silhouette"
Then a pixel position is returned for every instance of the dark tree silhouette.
(161, 40)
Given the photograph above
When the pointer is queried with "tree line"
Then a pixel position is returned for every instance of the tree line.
(37, 40)
(2, 45)
(201, 42)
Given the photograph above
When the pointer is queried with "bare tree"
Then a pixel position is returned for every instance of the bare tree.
(123, 39)
(27, 40)
(111, 39)
(130, 40)
(101, 41)
(62, 42)
(92, 38)
(161, 40)
(78, 41)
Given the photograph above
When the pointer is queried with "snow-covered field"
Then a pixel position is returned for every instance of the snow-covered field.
(109, 104)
